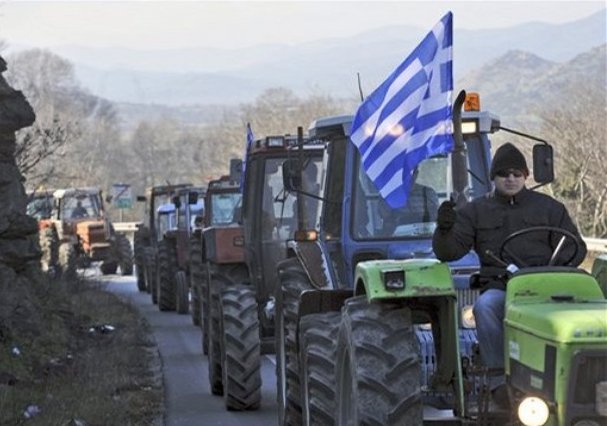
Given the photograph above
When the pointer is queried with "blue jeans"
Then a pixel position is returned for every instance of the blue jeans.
(489, 316)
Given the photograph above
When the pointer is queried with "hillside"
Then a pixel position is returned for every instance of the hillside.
(518, 83)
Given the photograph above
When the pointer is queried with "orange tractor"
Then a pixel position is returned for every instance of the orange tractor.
(82, 223)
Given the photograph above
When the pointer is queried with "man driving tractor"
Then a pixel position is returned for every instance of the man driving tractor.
(483, 224)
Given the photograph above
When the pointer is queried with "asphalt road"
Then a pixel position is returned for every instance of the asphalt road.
(188, 401)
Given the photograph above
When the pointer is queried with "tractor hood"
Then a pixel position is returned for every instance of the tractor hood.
(561, 321)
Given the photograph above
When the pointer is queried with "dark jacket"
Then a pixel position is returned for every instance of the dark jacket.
(484, 224)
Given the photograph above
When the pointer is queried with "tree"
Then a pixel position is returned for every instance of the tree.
(56, 150)
(577, 128)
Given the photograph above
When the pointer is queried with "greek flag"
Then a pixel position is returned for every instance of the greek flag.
(408, 118)
(250, 140)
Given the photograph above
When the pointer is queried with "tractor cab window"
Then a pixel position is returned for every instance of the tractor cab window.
(279, 207)
(196, 212)
(223, 207)
(166, 221)
(373, 218)
(40, 208)
(81, 206)
(278, 214)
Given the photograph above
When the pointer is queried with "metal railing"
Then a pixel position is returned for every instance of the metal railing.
(596, 244)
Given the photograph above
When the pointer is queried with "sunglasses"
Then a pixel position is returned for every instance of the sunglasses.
(506, 173)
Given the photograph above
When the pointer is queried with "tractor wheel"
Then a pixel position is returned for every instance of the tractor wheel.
(196, 280)
(108, 267)
(139, 252)
(221, 276)
(49, 245)
(67, 261)
(182, 299)
(240, 348)
(149, 269)
(293, 281)
(124, 254)
(378, 370)
(317, 349)
(167, 266)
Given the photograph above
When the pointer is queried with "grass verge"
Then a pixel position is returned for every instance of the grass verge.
(67, 368)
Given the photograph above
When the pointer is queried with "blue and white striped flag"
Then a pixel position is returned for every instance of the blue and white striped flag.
(250, 140)
(408, 118)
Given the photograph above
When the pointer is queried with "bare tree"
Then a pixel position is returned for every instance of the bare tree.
(579, 131)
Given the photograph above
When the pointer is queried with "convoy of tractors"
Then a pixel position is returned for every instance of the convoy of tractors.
(294, 253)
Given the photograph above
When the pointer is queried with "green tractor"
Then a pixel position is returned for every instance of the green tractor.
(555, 341)
(555, 344)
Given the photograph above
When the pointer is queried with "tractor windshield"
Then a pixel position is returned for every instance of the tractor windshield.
(223, 206)
(81, 206)
(374, 219)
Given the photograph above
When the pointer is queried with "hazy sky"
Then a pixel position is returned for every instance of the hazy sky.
(222, 24)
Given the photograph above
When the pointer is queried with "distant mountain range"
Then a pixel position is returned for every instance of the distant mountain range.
(518, 82)
(221, 76)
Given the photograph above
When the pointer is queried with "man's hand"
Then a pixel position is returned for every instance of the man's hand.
(446, 216)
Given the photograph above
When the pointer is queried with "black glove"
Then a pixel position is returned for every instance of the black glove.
(446, 216)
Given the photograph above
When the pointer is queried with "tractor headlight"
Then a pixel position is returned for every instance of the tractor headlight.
(533, 411)
(468, 320)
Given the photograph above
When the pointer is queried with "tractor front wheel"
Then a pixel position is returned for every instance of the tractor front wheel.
(317, 349)
(293, 281)
(67, 261)
(378, 371)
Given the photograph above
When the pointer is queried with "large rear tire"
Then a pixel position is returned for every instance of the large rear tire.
(139, 254)
(167, 267)
(49, 245)
(182, 299)
(220, 277)
(108, 267)
(317, 351)
(378, 369)
(124, 254)
(196, 279)
(293, 281)
(240, 349)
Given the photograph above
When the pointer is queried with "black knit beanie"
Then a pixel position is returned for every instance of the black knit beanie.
(507, 157)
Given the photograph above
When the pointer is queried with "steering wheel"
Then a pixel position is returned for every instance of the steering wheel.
(565, 235)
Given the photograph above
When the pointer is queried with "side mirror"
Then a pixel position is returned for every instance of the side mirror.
(192, 197)
(291, 175)
(543, 163)
(176, 201)
(141, 198)
(235, 169)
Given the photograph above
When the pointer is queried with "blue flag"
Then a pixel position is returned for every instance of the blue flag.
(408, 118)
(250, 140)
